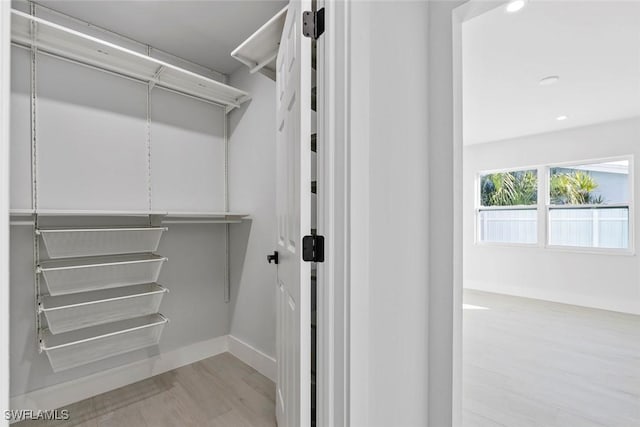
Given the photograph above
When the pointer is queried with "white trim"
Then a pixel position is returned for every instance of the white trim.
(358, 49)
(253, 357)
(59, 395)
(508, 208)
(5, 93)
(460, 14)
(333, 375)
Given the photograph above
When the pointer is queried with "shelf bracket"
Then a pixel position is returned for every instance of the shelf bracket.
(156, 76)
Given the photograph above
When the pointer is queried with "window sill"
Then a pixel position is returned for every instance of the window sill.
(552, 248)
(507, 245)
(591, 251)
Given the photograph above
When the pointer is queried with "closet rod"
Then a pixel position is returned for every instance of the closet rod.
(202, 221)
(40, 231)
(29, 223)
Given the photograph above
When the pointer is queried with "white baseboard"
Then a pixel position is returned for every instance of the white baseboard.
(253, 357)
(63, 394)
(59, 395)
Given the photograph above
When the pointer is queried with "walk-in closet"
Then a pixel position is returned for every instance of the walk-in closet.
(144, 173)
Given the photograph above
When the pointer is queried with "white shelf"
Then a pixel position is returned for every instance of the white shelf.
(74, 275)
(21, 212)
(167, 217)
(76, 348)
(259, 51)
(75, 212)
(67, 43)
(76, 311)
(203, 217)
(81, 242)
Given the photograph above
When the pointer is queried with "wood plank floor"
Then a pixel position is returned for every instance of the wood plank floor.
(220, 391)
(535, 363)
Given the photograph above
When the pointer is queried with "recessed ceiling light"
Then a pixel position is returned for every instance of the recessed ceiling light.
(549, 80)
(515, 5)
(561, 118)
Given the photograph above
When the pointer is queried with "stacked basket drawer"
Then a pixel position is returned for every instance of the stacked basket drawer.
(103, 297)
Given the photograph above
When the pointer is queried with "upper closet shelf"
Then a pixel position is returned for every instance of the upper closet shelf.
(164, 216)
(67, 43)
(259, 51)
(202, 217)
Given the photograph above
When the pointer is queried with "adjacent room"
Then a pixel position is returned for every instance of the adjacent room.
(551, 323)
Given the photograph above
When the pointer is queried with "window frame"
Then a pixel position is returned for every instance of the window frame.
(548, 206)
(479, 208)
(543, 208)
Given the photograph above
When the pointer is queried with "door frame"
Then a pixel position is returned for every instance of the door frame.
(5, 123)
(461, 14)
(331, 383)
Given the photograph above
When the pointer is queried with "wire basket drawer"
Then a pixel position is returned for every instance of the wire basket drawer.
(76, 311)
(69, 243)
(76, 348)
(89, 274)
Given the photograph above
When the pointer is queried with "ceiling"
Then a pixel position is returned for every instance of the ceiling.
(593, 46)
(203, 32)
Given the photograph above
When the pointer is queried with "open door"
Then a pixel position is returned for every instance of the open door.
(293, 193)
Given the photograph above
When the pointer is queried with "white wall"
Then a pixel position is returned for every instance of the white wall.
(390, 274)
(91, 138)
(604, 281)
(187, 154)
(398, 227)
(445, 218)
(402, 270)
(252, 189)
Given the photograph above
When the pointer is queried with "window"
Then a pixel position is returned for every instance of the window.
(508, 210)
(589, 205)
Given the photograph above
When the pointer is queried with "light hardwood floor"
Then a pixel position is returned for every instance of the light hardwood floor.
(220, 391)
(535, 363)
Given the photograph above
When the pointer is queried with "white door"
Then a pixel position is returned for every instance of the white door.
(293, 193)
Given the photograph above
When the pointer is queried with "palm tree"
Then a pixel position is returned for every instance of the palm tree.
(573, 188)
(521, 188)
(509, 188)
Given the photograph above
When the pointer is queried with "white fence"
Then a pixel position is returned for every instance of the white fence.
(508, 226)
(595, 227)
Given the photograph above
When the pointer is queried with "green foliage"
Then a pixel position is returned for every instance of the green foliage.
(520, 188)
(573, 188)
(509, 189)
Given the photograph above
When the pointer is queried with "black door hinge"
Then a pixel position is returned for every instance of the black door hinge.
(313, 248)
(313, 24)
